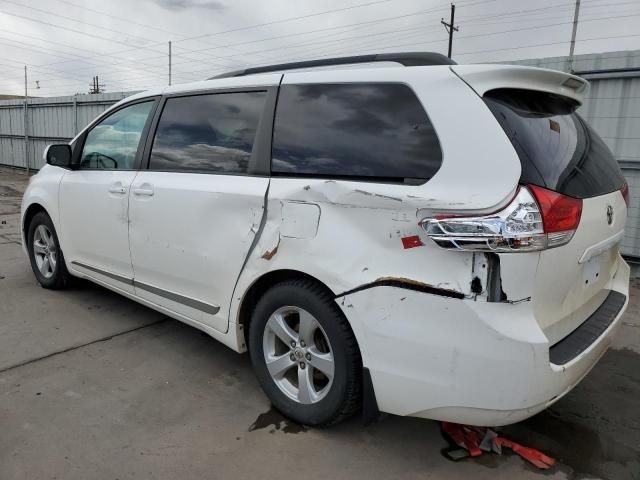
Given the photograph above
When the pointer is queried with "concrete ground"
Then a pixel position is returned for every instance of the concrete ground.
(93, 385)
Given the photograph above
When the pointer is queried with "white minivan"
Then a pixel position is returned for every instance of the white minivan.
(389, 232)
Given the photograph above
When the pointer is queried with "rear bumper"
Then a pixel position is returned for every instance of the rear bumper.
(465, 361)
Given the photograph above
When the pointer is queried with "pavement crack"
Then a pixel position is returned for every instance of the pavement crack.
(76, 347)
(9, 240)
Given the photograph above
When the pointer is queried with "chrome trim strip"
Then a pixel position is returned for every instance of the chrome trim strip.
(175, 297)
(189, 302)
(115, 276)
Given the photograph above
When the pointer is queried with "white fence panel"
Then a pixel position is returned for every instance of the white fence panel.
(49, 120)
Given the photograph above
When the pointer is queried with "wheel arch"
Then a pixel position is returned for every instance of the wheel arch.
(250, 299)
(260, 285)
(31, 211)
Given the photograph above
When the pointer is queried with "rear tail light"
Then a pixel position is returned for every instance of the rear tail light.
(535, 219)
(625, 193)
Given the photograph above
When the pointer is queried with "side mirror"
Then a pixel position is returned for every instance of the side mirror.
(58, 155)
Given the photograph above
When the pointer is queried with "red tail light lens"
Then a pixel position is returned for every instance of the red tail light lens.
(559, 212)
(625, 193)
(536, 219)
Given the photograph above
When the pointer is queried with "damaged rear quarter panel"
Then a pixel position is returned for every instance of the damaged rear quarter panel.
(357, 240)
(361, 225)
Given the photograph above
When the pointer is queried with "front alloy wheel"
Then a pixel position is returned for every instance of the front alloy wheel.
(44, 251)
(47, 261)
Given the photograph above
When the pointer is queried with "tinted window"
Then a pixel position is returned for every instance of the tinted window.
(113, 143)
(354, 130)
(557, 148)
(207, 133)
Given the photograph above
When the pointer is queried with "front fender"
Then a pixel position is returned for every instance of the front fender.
(43, 190)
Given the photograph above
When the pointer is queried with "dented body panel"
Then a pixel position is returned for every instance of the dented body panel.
(221, 213)
(358, 221)
(466, 361)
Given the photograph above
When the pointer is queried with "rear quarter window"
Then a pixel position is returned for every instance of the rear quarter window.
(379, 132)
(558, 149)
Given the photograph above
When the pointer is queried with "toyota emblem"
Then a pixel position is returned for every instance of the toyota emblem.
(609, 214)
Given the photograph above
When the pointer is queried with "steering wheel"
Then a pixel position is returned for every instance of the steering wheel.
(100, 160)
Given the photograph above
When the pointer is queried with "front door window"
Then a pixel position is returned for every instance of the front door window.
(112, 144)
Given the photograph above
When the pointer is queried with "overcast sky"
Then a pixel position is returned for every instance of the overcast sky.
(66, 42)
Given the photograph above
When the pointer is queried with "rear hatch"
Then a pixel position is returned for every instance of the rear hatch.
(559, 151)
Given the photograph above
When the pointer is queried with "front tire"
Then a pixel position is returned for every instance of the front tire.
(47, 260)
(305, 355)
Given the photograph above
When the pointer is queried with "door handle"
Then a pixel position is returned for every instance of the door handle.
(117, 188)
(143, 190)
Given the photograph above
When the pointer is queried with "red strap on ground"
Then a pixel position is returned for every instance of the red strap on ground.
(464, 437)
(470, 438)
(531, 455)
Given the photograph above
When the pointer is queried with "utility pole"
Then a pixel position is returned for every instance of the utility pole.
(169, 62)
(26, 123)
(576, 13)
(95, 86)
(450, 28)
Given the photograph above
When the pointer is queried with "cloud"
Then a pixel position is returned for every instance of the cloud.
(201, 157)
(177, 5)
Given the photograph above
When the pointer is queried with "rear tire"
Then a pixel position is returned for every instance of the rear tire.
(315, 377)
(47, 260)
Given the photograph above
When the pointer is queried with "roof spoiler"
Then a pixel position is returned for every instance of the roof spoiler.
(482, 78)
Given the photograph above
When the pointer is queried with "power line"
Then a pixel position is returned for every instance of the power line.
(302, 33)
(426, 42)
(467, 36)
(24, 17)
(244, 53)
(121, 19)
(149, 47)
(250, 26)
(267, 50)
(505, 48)
(324, 44)
(568, 6)
(289, 19)
(550, 43)
(51, 71)
(255, 26)
(50, 13)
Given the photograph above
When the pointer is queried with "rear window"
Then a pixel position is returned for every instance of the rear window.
(211, 133)
(558, 150)
(376, 131)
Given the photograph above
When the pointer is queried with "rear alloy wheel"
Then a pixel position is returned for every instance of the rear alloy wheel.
(298, 355)
(47, 261)
(305, 354)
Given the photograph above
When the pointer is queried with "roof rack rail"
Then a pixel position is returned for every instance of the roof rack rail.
(408, 59)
